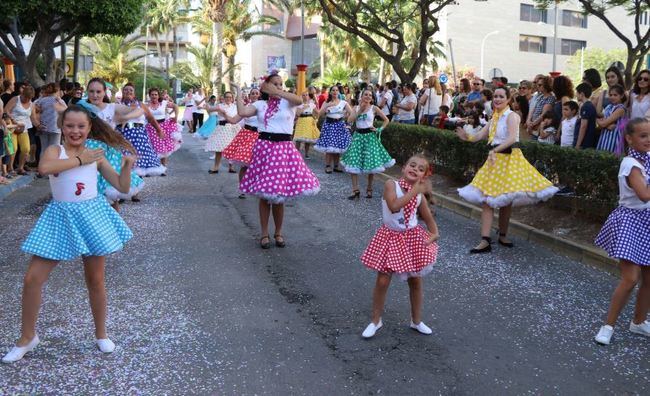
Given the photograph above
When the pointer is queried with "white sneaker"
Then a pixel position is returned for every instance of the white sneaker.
(105, 345)
(16, 353)
(421, 327)
(604, 335)
(643, 328)
(212, 156)
(371, 329)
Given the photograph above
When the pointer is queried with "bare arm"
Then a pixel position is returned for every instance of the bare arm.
(425, 214)
(152, 120)
(10, 105)
(272, 90)
(384, 119)
(51, 164)
(637, 182)
(480, 135)
(611, 120)
(121, 182)
(243, 110)
(125, 113)
(546, 108)
(582, 132)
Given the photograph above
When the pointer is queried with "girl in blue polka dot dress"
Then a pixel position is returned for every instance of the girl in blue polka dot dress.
(626, 233)
(77, 222)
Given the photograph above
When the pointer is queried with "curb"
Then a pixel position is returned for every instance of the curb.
(19, 182)
(585, 254)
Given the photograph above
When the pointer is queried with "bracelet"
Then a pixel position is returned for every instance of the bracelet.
(79, 159)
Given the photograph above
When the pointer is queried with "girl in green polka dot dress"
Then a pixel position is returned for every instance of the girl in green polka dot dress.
(366, 155)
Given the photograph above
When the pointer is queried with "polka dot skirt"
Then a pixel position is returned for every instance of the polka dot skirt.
(148, 162)
(167, 145)
(398, 252)
(67, 230)
(510, 180)
(334, 138)
(626, 235)
(277, 172)
(240, 150)
(306, 130)
(366, 155)
(222, 136)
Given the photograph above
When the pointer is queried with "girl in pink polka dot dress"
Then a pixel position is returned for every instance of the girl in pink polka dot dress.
(401, 246)
(276, 171)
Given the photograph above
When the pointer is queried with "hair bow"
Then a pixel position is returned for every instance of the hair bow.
(89, 107)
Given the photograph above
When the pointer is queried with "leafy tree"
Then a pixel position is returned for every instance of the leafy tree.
(637, 45)
(113, 59)
(52, 23)
(380, 23)
(337, 73)
(595, 58)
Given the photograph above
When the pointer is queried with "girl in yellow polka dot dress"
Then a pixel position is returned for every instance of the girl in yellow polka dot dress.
(506, 179)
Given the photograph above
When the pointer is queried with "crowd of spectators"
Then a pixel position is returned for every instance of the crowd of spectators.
(590, 114)
(29, 122)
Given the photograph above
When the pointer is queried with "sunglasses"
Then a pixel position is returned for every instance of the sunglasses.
(646, 79)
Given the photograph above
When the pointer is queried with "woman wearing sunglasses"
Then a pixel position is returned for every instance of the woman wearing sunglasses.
(639, 106)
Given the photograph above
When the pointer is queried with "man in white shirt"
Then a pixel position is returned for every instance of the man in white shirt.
(197, 113)
(386, 101)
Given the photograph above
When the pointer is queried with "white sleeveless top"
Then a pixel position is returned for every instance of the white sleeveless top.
(628, 197)
(336, 112)
(138, 120)
(76, 184)
(310, 108)
(396, 221)
(22, 115)
(230, 110)
(365, 120)
(108, 114)
(639, 108)
(160, 112)
(502, 129)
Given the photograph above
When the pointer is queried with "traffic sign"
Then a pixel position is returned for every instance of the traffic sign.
(443, 78)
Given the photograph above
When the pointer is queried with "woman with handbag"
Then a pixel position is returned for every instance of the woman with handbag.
(430, 101)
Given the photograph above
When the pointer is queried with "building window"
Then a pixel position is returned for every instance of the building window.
(570, 47)
(528, 13)
(532, 44)
(574, 19)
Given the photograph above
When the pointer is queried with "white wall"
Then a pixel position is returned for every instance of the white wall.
(469, 21)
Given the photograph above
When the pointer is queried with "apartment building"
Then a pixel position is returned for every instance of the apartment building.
(518, 39)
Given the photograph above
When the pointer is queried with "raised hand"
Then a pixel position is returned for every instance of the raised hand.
(89, 156)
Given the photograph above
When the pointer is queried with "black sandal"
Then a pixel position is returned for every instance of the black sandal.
(355, 195)
(485, 249)
(328, 169)
(502, 243)
(267, 244)
(212, 172)
(369, 193)
(279, 243)
(337, 169)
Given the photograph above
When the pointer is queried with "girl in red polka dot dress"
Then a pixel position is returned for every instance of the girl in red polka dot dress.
(401, 246)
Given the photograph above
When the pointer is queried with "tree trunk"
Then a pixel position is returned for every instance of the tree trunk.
(231, 71)
(629, 64)
(217, 44)
(159, 51)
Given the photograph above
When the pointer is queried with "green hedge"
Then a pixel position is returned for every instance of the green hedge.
(591, 174)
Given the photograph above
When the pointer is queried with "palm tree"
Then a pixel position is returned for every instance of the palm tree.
(349, 49)
(112, 61)
(199, 72)
(216, 11)
(161, 16)
(241, 24)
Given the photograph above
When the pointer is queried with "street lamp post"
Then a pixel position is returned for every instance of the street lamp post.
(301, 83)
(555, 12)
(483, 49)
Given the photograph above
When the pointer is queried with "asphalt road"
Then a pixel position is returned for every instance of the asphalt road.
(196, 307)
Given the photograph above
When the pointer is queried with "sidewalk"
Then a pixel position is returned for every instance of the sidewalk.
(15, 183)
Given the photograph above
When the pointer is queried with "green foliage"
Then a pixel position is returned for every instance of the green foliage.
(86, 17)
(155, 79)
(337, 73)
(596, 58)
(113, 60)
(592, 174)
